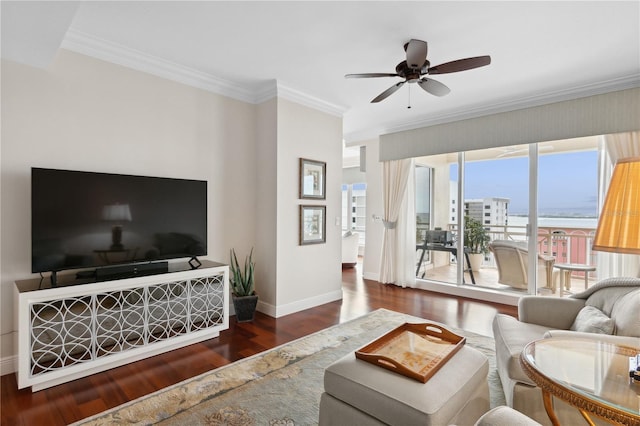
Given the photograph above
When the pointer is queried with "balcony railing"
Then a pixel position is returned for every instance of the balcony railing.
(567, 245)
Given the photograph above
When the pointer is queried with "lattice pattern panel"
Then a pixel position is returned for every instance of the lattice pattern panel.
(81, 329)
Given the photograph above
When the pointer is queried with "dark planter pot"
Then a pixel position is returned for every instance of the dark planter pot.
(245, 307)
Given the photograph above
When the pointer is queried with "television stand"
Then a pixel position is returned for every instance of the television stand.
(75, 328)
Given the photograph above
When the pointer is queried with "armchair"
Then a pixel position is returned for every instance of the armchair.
(513, 263)
(610, 306)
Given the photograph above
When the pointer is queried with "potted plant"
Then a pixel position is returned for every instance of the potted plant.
(476, 240)
(243, 293)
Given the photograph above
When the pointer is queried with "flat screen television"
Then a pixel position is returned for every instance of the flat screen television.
(85, 220)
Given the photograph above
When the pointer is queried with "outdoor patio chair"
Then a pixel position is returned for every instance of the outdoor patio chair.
(512, 262)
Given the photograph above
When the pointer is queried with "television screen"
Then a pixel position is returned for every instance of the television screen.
(86, 220)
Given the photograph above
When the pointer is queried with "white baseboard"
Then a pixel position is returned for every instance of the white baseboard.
(299, 305)
(371, 276)
(484, 294)
(8, 365)
(266, 308)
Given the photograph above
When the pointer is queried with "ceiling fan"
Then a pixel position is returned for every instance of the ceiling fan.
(416, 66)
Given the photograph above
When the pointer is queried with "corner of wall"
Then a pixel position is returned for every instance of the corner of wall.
(374, 207)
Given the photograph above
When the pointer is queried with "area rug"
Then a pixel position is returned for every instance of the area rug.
(281, 386)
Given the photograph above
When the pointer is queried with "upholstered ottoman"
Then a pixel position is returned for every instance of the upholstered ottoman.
(359, 393)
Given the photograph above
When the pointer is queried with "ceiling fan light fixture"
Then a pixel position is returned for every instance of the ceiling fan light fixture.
(416, 66)
(416, 53)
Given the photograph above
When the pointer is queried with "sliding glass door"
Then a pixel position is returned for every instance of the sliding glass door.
(436, 204)
(496, 217)
(502, 195)
(568, 210)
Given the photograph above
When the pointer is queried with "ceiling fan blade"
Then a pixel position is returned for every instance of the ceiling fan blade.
(387, 92)
(416, 53)
(371, 75)
(434, 87)
(460, 65)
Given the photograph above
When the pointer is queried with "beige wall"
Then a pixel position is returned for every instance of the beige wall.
(307, 275)
(374, 207)
(290, 277)
(85, 114)
(266, 213)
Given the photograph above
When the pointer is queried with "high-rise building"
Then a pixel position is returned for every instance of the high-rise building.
(489, 211)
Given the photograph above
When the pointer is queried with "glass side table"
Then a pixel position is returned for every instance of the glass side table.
(591, 375)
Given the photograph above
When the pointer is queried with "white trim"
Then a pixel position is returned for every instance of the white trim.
(532, 226)
(613, 85)
(95, 47)
(8, 365)
(266, 308)
(310, 101)
(484, 294)
(373, 276)
(299, 305)
(86, 44)
(269, 91)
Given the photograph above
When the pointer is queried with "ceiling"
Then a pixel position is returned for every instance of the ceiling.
(541, 51)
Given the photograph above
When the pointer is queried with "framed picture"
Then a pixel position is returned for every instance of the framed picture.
(312, 179)
(313, 224)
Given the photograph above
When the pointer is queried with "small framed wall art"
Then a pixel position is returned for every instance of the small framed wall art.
(313, 225)
(312, 179)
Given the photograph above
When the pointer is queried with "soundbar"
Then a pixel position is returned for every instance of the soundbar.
(117, 272)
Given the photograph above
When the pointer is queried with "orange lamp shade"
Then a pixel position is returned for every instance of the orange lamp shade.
(619, 224)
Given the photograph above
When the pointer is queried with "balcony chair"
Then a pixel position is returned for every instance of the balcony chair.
(512, 261)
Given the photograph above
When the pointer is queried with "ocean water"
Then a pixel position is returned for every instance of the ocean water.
(557, 222)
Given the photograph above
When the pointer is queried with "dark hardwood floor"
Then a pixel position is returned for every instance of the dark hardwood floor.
(69, 402)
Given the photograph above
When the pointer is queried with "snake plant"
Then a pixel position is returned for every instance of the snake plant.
(242, 280)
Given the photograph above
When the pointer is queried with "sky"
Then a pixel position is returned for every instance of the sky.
(567, 183)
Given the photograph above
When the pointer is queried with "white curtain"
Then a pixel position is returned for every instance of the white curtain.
(399, 239)
(616, 146)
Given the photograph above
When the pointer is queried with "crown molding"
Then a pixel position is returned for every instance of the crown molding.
(89, 45)
(310, 101)
(275, 89)
(266, 92)
(95, 47)
(583, 91)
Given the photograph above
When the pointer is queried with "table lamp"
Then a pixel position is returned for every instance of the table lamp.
(117, 213)
(618, 228)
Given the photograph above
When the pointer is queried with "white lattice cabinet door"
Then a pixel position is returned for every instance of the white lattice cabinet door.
(74, 330)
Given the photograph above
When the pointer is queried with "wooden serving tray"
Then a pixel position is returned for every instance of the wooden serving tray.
(413, 350)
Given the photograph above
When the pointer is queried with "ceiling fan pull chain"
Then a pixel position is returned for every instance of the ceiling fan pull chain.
(409, 102)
